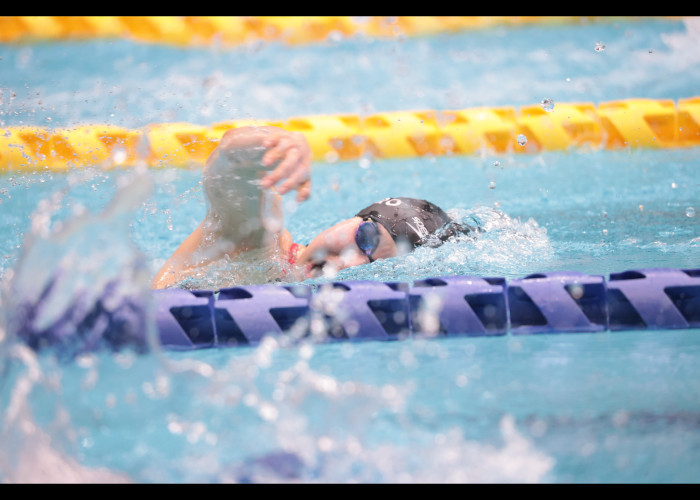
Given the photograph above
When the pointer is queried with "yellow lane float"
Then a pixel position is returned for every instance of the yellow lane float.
(628, 123)
(237, 30)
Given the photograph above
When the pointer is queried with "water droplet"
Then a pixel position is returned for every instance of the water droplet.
(674, 185)
(690, 212)
(492, 185)
(119, 156)
(576, 291)
(522, 140)
(547, 104)
(331, 156)
(496, 163)
(599, 47)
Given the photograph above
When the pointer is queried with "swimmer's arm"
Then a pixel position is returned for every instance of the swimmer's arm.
(242, 215)
(186, 257)
(180, 260)
(244, 177)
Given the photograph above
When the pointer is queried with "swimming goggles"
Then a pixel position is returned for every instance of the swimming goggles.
(367, 237)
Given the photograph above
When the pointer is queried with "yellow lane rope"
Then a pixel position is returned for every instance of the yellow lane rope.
(628, 123)
(235, 30)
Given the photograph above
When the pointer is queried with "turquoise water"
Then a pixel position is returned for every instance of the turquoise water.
(610, 407)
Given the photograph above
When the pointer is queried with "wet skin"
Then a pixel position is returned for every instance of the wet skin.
(240, 193)
(335, 249)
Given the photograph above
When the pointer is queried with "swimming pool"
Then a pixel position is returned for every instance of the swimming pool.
(608, 407)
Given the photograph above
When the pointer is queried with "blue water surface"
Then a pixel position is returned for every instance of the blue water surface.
(566, 408)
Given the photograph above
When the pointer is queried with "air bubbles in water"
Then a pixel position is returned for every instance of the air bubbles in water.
(547, 104)
(599, 47)
(522, 140)
(690, 212)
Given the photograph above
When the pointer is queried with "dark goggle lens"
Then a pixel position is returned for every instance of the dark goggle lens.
(367, 237)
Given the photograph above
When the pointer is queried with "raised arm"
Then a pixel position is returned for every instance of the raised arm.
(242, 179)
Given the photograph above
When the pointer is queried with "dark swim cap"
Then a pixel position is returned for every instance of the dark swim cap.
(407, 219)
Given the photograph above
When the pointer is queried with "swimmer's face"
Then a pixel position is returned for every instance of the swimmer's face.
(335, 249)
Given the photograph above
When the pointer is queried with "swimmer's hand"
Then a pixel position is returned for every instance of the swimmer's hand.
(293, 153)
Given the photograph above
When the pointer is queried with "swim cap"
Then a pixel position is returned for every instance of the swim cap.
(407, 219)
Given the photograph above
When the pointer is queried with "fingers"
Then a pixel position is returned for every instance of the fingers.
(280, 143)
(292, 168)
(294, 180)
(278, 146)
(304, 191)
(294, 156)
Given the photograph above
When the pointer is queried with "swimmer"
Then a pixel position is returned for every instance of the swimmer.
(244, 179)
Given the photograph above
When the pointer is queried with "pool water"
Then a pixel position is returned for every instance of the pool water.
(605, 407)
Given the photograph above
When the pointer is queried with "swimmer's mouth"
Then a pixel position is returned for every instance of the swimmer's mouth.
(314, 269)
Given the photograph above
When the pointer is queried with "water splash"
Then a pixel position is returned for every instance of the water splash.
(307, 425)
(506, 247)
(77, 286)
(547, 104)
(452, 459)
(682, 44)
(30, 453)
(271, 414)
